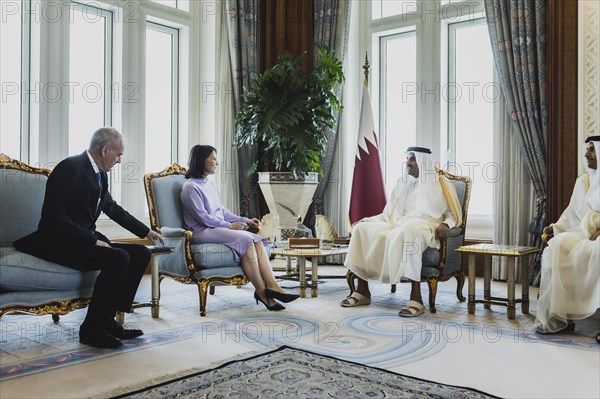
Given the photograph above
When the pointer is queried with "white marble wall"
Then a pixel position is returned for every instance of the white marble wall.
(589, 68)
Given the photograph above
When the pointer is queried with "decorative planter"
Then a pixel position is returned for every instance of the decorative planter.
(287, 197)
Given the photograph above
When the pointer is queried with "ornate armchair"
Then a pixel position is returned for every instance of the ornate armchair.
(30, 285)
(205, 265)
(444, 263)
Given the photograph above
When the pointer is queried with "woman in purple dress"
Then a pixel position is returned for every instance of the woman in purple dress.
(210, 222)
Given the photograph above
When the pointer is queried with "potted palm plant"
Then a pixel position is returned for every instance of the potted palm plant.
(287, 112)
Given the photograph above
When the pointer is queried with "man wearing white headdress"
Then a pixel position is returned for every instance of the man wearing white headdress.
(570, 285)
(388, 247)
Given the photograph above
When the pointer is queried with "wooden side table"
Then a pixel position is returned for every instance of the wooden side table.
(521, 255)
(157, 250)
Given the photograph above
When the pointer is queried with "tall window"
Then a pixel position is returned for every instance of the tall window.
(471, 96)
(90, 73)
(398, 108)
(162, 96)
(436, 89)
(70, 67)
(179, 4)
(14, 56)
(387, 8)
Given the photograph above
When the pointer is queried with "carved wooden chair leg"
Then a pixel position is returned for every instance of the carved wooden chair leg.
(212, 290)
(55, 317)
(202, 291)
(460, 282)
(432, 283)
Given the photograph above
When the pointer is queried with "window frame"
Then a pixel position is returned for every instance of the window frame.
(451, 77)
(109, 102)
(181, 5)
(175, 81)
(383, 109)
(431, 21)
(24, 83)
(109, 96)
(26, 60)
(45, 131)
(484, 222)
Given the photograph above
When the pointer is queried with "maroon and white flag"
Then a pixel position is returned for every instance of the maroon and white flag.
(368, 189)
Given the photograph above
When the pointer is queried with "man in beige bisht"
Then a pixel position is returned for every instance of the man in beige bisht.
(570, 286)
(388, 247)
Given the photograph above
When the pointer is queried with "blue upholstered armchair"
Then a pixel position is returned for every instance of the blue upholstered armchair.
(28, 284)
(444, 263)
(205, 265)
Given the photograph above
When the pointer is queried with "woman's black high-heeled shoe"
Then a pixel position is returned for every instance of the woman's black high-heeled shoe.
(275, 307)
(279, 296)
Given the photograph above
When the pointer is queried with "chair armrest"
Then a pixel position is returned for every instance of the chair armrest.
(452, 258)
(172, 231)
(455, 232)
(178, 263)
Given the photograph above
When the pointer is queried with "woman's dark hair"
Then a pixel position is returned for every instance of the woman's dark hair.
(198, 155)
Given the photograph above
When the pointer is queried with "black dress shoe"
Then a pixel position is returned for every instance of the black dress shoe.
(117, 330)
(279, 296)
(96, 336)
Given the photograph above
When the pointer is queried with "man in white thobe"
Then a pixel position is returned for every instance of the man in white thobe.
(388, 247)
(570, 285)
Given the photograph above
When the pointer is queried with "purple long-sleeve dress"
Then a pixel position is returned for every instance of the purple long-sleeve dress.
(209, 221)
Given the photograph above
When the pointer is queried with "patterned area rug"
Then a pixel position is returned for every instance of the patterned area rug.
(41, 359)
(289, 372)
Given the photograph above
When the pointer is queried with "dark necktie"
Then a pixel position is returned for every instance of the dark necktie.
(99, 177)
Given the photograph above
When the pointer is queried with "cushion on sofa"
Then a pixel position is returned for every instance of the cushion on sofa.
(213, 255)
(23, 272)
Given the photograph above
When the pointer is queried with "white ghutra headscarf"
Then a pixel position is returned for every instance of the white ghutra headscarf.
(592, 196)
(430, 197)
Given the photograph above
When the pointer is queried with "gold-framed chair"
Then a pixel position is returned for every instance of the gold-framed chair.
(444, 263)
(205, 265)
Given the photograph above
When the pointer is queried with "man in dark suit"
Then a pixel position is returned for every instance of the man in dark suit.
(76, 194)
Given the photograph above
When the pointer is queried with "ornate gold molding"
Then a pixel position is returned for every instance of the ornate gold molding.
(591, 67)
(7, 162)
(54, 308)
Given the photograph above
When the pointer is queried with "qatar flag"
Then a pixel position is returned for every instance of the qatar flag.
(368, 189)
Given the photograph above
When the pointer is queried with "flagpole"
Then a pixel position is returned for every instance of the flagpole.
(367, 197)
(366, 67)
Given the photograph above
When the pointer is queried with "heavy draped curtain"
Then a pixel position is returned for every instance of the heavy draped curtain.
(518, 37)
(331, 20)
(243, 33)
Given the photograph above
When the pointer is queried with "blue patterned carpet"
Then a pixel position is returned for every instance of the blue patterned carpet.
(288, 372)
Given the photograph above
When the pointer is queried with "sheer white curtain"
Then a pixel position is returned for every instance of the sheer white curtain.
(225, 122)
(514, 197)
(337, 194)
